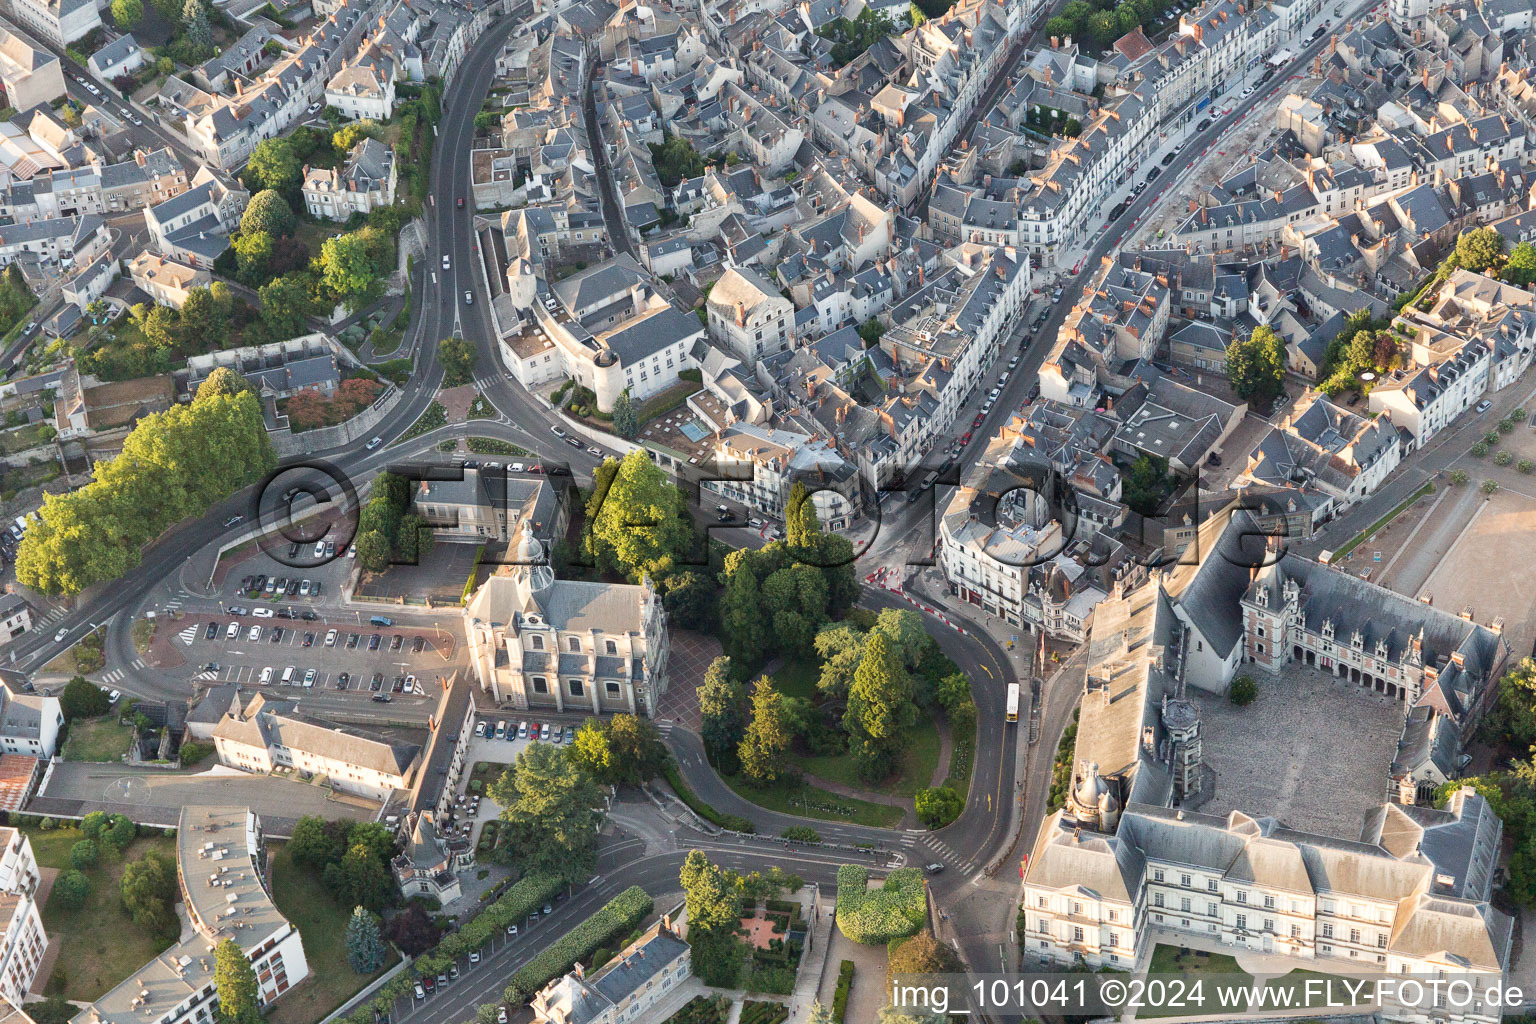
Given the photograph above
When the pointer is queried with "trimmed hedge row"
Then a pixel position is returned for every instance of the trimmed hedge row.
(515, 904)
(734, 822)
(613, 921)
(873, 917)
(840, 994)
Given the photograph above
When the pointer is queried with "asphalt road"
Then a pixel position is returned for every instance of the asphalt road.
(617, 870)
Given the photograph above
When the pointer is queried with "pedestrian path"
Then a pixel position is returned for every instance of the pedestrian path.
(113, 676)
(187, 635)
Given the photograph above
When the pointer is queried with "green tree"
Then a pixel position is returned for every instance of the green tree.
(83, 699)
(201, 319)
(235, 980)
(1521, 267)
(764, 749)
(690, 600)
(879, 708)
(938, 806)
(1243, 691)
(273, 165)
(365, 947)
(1256, 366)
(676, 159)
(741, 611)
(350, 134)
(284, 307)
(373, 550)
(84, 855)
(70, 890)
(1145, 486)
(316, 842)
(375, 837)
(625, 423)
(346, 266)
(796, 599)
(923, 954)
(713, 901)
(194, 17)
(92, 825)
(1478, 250)
(551, 809)
(638, 530)
(253, 256)
(222, 381)
(267, 212)
(127, 14)
(360, 878)
(148, 889)
(458, 359)
(723, 723)
(840, 647)
(116, 837)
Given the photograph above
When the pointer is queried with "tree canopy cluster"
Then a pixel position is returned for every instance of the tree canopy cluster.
(620, 750)
(714, 897)
(352, 859)
(851, 38)
(1256, 366)
(675, 159)
(1099, 23)
(551, 807)
(174, 464)
(637, 521)
(386, 532)
(779, 596)
(869, 692)
(1365, 344)
(165, 338)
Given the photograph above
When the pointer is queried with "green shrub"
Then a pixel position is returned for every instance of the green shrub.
(840, 994)
(613, 921)
(938, 806)
(734, 822)
(873, 917)
(1504, 458)
(1479, 450)
(1244, 691)
(802, 834)
(192, 753)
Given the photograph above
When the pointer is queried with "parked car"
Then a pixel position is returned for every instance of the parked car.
(330, 638)
(209, 633)
(342, 680)
(309, 677)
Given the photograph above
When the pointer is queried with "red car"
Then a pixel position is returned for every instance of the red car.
(461, 202)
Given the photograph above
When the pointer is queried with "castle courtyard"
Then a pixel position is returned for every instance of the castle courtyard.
(1312, 751)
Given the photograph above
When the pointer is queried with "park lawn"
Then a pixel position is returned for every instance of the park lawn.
(322, 925)
(919, 759)
(97, 739)
(811, 802)
(99, 945)
(798, 677)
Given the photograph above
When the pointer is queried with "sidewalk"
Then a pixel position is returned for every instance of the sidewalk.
(813, 964)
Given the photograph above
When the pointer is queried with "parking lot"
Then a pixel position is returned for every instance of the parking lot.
(321, 653)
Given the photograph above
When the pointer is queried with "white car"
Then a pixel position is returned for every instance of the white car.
(1484, 406)
(263, 613)
(232, 631)
(266, 674)
(309, 677)
(60, 635)
(330, 638)
(253, 634)
(319, 549)
(516, 467)
(474, 957)
(374, 443)
(446, 264)
(115, 696)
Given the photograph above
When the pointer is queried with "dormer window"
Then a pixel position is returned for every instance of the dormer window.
(538, 642)
(575, 643)
(611, 647)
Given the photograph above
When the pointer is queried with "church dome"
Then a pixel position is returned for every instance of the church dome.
(1091, 788)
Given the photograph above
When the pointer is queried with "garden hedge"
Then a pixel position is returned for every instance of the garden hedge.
(840, 994)
(873, 917)
(613, 921)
